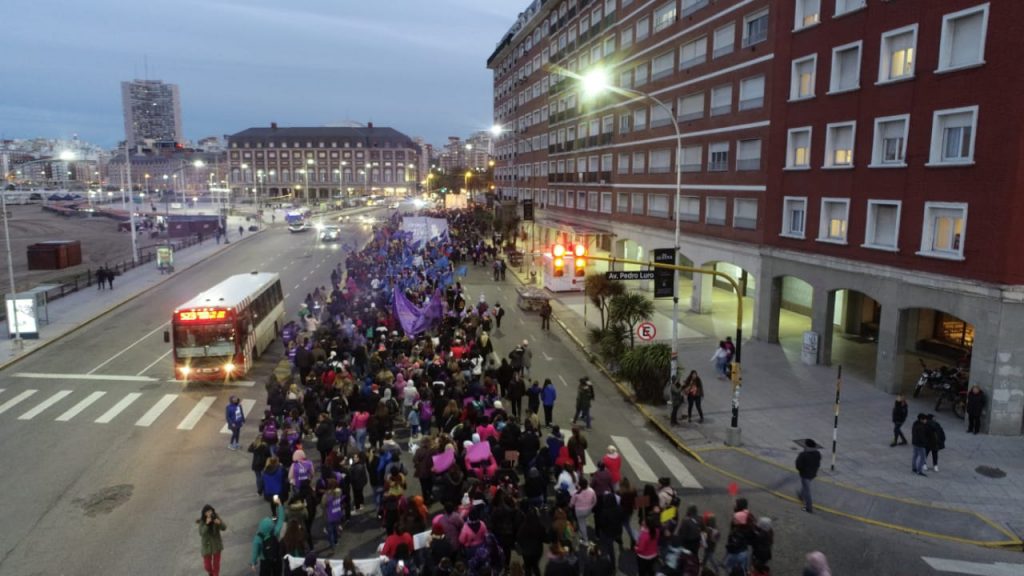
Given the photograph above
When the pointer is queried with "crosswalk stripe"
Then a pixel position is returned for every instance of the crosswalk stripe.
(247, 405)
(675, 466)
(16, 400)
(590, 466)
(193, 417)
(153, 413)
(82, 405)
(118, 408)
(632, 457)
(44, 405)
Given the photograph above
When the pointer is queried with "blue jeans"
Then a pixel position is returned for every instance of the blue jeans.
(235, 432)
(332, 533)
(584, 414)
(361, 439)
(740, 559)
(920, 458)
(805, 493)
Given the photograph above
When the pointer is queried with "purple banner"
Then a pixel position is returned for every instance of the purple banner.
(415, 320)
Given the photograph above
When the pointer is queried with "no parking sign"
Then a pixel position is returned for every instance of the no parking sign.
(646, 331)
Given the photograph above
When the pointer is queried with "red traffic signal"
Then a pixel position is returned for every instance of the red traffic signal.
(558, 250)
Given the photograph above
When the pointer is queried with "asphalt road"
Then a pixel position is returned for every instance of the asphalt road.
(114, 486)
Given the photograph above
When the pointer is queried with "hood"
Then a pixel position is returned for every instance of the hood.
(266, 527)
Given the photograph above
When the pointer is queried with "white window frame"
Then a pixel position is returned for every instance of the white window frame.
(659, 73)
(737, 219)
(682, 117)
(791, 153)
(636, 203)
(606, 202)
(751, 102)
(885, 58)
(621, 167)
(654, 203)
(795, 81)
(835, 73)
(688, 155)
(945, 44)
(639, 165)
(935, 158)
(825, 224)
(870, 226)
(849, 6)
(643, 28)
(688, 202)
(788, 203)
(747, 39)
(878, 146)
(928, 231)
(800, 15)
(662, 18)
(640, 119)
(713, 220)
(622, 203)
(830, 149)
(721, 109)
(699, 57)
(717, 51)
(717, 148)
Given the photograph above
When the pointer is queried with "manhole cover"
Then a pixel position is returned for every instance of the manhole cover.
(104, 501)
(990, 472)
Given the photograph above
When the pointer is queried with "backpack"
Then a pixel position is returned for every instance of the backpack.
(270, 431)
(270, 549)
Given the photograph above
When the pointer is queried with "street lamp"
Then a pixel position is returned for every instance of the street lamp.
(66, 156)
(18, 342)
(467, 176)
(309, 164)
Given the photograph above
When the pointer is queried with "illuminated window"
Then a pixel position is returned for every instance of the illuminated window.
(898, 54)
(835, 214)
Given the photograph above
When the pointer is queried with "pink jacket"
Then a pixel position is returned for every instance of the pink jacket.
(647, 544)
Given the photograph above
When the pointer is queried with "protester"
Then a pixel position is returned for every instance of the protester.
(899, 416)
(211, 545)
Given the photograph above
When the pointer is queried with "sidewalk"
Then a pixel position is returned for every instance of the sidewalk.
(976, 498)
(78, 309)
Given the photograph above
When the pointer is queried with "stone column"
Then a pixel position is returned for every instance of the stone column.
(703, 289)
(889, 358)
(821, 322)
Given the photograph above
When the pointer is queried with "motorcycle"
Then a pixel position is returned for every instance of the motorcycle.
(956, 394)
(936, 379)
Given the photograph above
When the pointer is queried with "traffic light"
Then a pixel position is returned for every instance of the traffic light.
(580, 260)
(558, 254)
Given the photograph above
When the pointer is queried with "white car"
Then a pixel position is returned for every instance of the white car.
(297, 227)
(330, 234)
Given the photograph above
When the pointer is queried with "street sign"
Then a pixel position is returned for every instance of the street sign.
(646, 331)
(664, 278)
(630, 275)
(528, 210)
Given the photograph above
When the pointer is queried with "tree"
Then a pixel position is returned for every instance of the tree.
(630, 309)
(646, 369)
(610, 343)
(600, 289)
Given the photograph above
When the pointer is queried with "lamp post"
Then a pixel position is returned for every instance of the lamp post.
(18, 342)
(309, 166)
(131, 203)
(67, 156)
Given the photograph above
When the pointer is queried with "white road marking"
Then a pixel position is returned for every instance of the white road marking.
(16, 400)
(977, 568)
(285, 267)
(287, 294)
(193, 417)
(520, 318)
(44, 405)
(247, 405)
(296, 287)
(630, 455)
(129, 347)
(675, 466)
(590, 465)
(564, 383)
(118, 408)
(545, 355)
(77, 408)
(153, 413)
(162, 356)
(228, 384)
(304, 278)
(113, 377)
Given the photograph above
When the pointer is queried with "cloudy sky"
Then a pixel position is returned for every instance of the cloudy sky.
(416, 65)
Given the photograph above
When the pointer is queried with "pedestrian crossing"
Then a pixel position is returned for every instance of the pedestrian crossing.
(185, 412)
(636, 466)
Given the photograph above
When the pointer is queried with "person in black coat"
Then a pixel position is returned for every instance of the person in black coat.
(608, 521)
(530, 541)
(899, 416)
(919, 440)
(936, 441)
(975, 404)
(807, 464)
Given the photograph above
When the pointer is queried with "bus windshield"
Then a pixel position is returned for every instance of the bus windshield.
(201, 340)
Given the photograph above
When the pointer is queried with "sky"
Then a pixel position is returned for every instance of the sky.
(418, 66)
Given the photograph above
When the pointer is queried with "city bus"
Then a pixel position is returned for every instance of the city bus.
(297, 220)
(220, 333)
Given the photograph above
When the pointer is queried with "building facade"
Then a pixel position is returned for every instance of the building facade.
(152, 112)
(316, 164)
(830, 153)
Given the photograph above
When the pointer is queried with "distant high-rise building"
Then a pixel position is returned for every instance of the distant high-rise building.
(152, 111)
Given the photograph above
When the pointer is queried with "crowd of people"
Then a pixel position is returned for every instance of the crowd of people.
(497, 490)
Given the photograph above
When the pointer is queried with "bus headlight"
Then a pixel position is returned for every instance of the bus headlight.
(184, 370)
(229, 367)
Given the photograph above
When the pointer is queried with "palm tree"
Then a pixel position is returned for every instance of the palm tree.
(646, 369)
(630, 309)
(600, 289)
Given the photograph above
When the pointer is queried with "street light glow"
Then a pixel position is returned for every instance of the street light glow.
(595, 81)
(496, 130)
(67, 155)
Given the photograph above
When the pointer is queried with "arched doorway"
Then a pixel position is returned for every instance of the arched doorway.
(712, 294)
(935, 337)
(855, 324)
(792, 307)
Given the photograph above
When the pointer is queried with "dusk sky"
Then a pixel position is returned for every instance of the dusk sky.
(416, 65)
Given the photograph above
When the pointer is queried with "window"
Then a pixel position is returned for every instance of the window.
(626, 79)
(802, 79)
(755, 28)
(890, 143)
(660, 116)
(593, 201)
(691, 6)
(638, 163)
(752, 92)
(798, 148)
(883, 226)
(721, 100)
(898, 54)
(744, 213)
(661, 161)
(794, 216)
(623, 165)
(636, 204)
(844, 6)
(845, 68)
(606, 202)
(715, 214)
(839, 140)
(662, 65)
(691, 107)
(718, 157)
(622, 203)
(963, 38)
(581, 200)
(693, 53)
(626, 38)
(689, 209)
(835, 214)
(953, 136)
(608, 124)
(609, 46)
(665, 15)
(725, 39)
(606, 163)
(943, 230)
(643, 28)
(640, 74)
(657, 205)
(640, 119)
(808, 13)
(624, 123)
(691, 158)
(748, 154)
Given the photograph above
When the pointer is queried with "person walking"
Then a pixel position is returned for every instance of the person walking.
(975, 404)
(721, 360)
(548, 395)
(110, 278)
(101, 278)
(266, 547)
(516, 391)
(807, 464)
(527, 359)
(545, 316)
(498, 314)
(694, 388)
(211, 545)
(919, 440)
(235, 417)
(936, 441)
(584, 400)
(583, 502)
(899, 416)
(533, 398)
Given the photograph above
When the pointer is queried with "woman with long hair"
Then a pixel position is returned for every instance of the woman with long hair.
(211, 545)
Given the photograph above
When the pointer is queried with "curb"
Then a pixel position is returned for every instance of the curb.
(11, 361)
